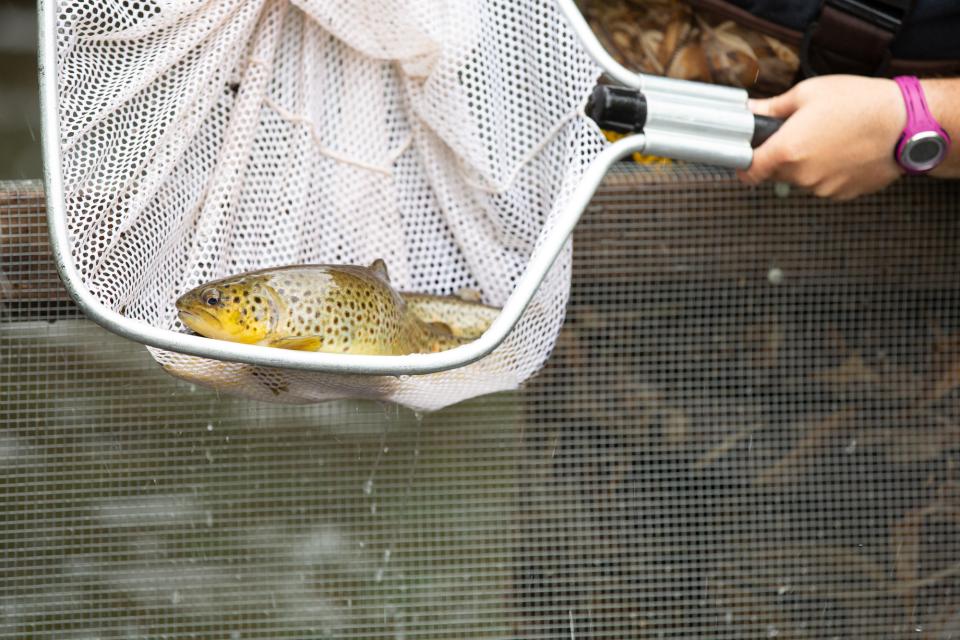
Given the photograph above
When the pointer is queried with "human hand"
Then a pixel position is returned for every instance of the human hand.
(838, 138)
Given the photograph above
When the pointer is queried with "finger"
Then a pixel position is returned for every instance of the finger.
(765, 162)
(781, 106)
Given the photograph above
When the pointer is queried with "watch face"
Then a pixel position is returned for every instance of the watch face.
(923, 151)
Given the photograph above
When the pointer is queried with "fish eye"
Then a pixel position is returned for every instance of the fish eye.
(210, 297)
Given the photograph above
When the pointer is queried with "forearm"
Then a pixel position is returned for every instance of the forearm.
(943, 99)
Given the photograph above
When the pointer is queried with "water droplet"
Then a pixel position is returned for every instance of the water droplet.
(373, 508)
(209, 426)
(775, 275)
(850, 448)
(728, 618)
(772, 631)
(209, 456)
(368, 487)
(386, 449)
(175, 597)
(235, 635)
(918, 628)
(378, 576)
(386, 555)
(209, 518)
(781, 189)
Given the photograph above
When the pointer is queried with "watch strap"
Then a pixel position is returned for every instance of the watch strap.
(919, 118)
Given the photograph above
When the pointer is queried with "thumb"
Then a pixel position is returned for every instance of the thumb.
(766, 157)
(781, 106)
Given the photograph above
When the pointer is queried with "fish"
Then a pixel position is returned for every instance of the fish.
(332, 308)
(461, 313)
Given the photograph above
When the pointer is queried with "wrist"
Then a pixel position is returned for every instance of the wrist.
(942, 96)
(923, 145)
(891, 121)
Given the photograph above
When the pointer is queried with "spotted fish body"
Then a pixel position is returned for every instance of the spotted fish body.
(332, 308)
(466, 319)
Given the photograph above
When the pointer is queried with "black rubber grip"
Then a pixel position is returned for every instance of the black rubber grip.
(763, 128)
(617, 108)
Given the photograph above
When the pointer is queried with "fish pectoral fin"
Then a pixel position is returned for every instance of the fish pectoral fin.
(299, 343)
(468, 295)
(379, 267)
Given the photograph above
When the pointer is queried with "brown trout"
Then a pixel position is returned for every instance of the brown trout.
(332, 308)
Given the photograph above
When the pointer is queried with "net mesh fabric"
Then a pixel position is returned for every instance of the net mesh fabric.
(205, 139)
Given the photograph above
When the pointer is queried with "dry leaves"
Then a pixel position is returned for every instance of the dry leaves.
(667, 37)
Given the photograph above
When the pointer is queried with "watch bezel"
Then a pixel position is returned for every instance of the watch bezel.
(921, 136)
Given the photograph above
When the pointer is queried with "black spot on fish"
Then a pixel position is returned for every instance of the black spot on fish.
(257, 300)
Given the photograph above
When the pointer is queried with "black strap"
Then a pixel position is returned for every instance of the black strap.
(852, 36)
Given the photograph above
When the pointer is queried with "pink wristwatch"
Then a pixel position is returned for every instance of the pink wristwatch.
(923, 144)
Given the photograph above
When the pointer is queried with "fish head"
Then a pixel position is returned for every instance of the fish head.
(239, 309)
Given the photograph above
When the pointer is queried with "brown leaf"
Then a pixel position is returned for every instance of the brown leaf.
(912, 444)
(676, 34)
(690, 64)
(726, 445)
(731, 59)
(676, 425)
(905, 545)
(851, 372)
(763, 341)
(794, 462)
(944, 366)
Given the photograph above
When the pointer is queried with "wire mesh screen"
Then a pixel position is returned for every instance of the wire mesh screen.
(750, 428)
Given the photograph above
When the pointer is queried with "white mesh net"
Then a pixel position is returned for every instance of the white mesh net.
(203, 139)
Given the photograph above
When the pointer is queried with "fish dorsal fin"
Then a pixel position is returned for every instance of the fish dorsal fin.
(379, 267)
(468, 295)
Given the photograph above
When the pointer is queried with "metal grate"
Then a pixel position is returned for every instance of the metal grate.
(750, 428)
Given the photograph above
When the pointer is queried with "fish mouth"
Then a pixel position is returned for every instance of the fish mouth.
(199, 320)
